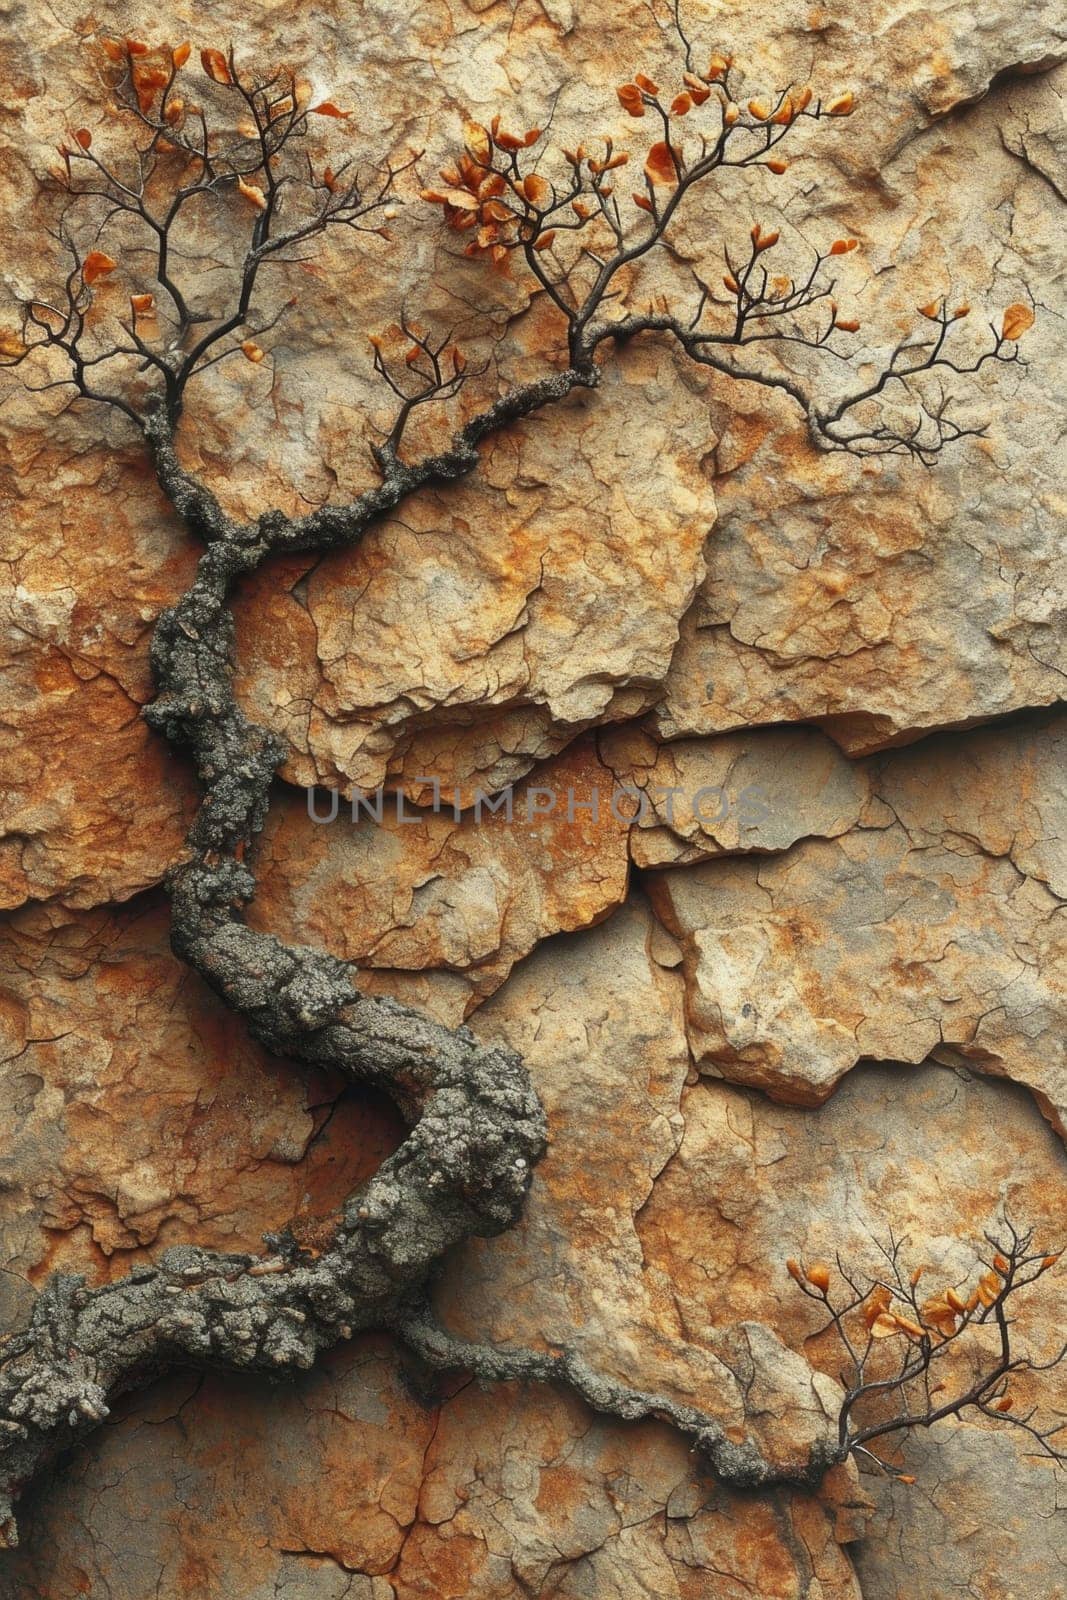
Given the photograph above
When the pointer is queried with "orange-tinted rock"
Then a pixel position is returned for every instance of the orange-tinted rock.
(756, 791)
(139, 1114)
(880, 601)
(934, 933)
(343, 1487)
(92, 805)
(427, 891)
(936, 1155)
(600, 1024)
(477, 634)
(492, 621)
(471, 638)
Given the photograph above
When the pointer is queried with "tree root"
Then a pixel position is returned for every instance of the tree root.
(477, 1128)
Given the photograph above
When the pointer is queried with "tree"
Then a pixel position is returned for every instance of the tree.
(130, 328)
(941, 1365)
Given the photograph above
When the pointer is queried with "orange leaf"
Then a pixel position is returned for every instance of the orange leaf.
(215, 65)
(932, 310)
(84, 138)
(476, 138)
(175, 112)
(718, 67)
(731, 282)
(785, 113)
(180, 55)
(818, 1274)
(681, 104)
(730, 114)
(461, 200)
(885, 1326)
(536, 190)
(97, 264)
(1005, 1404)
(251, 352)
(962, 311)
(114, 51)
(530, 137)
(631, 99)
(253, 193)
(1017, 319)
(841, 247)
(759, 109)
(794, 1270)
(905, 1477)
(545, 240)
(643, 201)
(847, 324)
(777, 166)
(146, 80)
(326, 108)
(842, 105)
(143, 305)
(136, 47)
(877, 1301)
(495, 211)
(646, 83)
(659, 164)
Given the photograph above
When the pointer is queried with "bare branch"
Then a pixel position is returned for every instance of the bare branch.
(888, 1313)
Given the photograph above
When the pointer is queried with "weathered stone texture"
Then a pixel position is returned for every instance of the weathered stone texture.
(458, 897)
(935, 1153)
(920, 933)
(138, 1114)
(775, 1030)
(347, 1488)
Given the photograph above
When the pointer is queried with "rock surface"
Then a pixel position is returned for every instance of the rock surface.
(936, 1153)
(660, 587)
(548, 595)
(347, 1488)
(162, 1125)
(758, 791)
(458, 896)
(928, 930)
